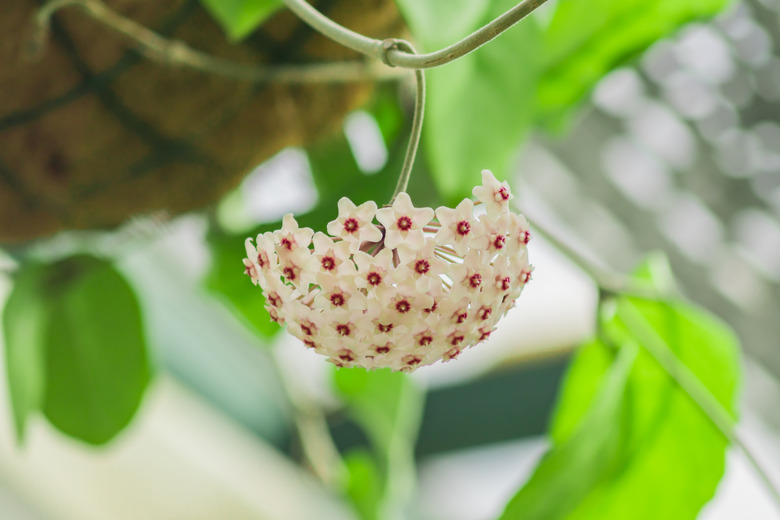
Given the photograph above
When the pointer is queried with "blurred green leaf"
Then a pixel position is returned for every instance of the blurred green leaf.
(588, 38)
(667, 457)
(75, 348)
(364, 486)
(97, 367)
(480, 107)
(25, 318)
(575, 464)
(240, 17)
(388, 406)
(336, 174)
(387, 112)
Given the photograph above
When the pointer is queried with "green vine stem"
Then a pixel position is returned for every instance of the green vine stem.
(417, 122)
(396, 57)
(609, 283)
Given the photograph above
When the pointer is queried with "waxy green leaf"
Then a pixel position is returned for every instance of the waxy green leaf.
(661, 456)
(76, 348)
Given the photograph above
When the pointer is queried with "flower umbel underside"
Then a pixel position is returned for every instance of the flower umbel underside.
(415, 287)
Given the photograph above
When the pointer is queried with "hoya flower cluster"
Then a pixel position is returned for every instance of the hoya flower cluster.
(397, 287)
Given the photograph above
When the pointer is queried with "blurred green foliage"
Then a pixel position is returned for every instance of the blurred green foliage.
(388, 407)
(240, 17)
(657, 455)
(75, 347)
(587, 39)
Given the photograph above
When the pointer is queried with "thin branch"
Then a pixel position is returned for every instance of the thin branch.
(607, 282)
(177, 53)
(691, 385)
(417, 122)
(319, 450)
(396, 57)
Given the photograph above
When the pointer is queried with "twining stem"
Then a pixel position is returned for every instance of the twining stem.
(607, 282)
(417, 122)
(694, 388)
(177, 53)
(319, 450)
(396, 57)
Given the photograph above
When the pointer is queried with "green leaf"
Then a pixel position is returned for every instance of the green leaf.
(579, 460)
(480, 107)
(388, 406)
(96, 360)
(667, 456)
(364, 485)
(588, 38)
(25, 318)
(240, 17)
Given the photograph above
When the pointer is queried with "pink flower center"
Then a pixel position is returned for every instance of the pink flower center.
(274, 299)
(328, 263)
(309, 343)
(460, 318)
(412, 360)
(350, 225)
(306, 330)
(343, 330)
(403, 306)
(289, 273)
(485, 312)
(431, 308)
(347, 355)
(506, 283)
(484, 334)
(475, 280)
(384, 349)
(451, 354)
(374, 278)
(422, 266)
(262, 260)
(404, 223)
(385, 328)
(286, 243)
(525, 276)
(526, 237)
(499, 241)
(425, 340)
(502, 195)
(337, 299)
(463, 228)
(456, 339)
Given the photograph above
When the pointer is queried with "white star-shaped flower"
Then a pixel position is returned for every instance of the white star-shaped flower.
(374, 273)
(291, 237)
(458, 226)
(355, 223)
(328, 258)
(495, 195)
(420, 264)
(404, 223)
